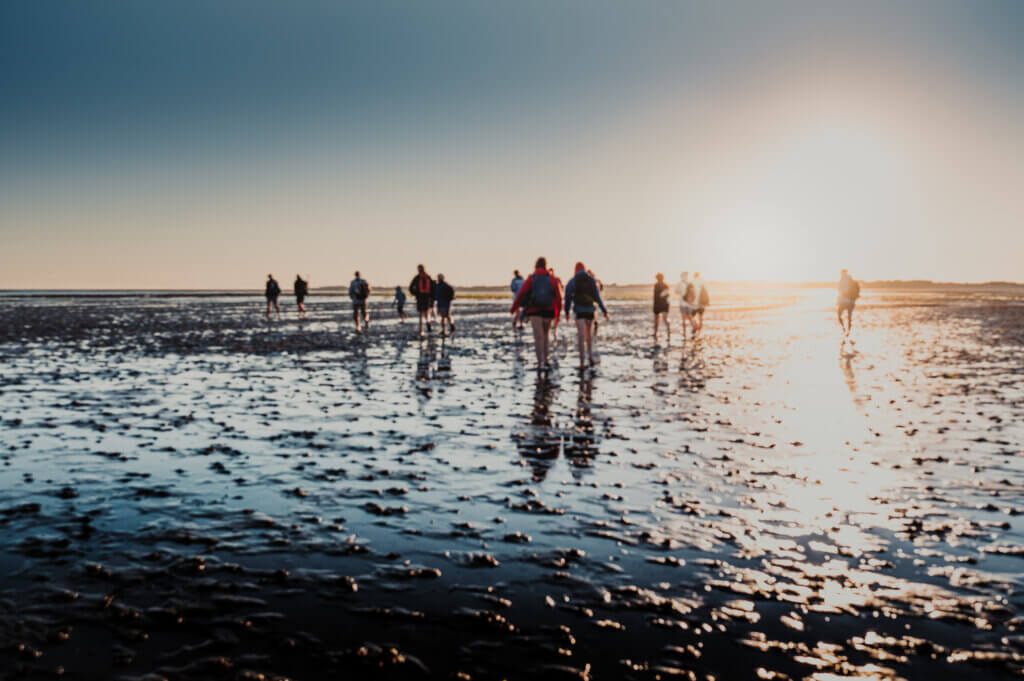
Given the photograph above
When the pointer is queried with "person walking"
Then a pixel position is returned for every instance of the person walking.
(561, 294)
(541, 301)
(358, 292)
(849, 291)
(272, 292)
(301, 289)
(661, 295)
(581, 293)
(687, 303)
(703, 299)
(444, 294)
(517, 283)
(600, 289)
(399, 303)
(422, 288)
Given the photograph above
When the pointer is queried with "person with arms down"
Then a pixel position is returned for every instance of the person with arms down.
(561, 294)
(422, 288)
(687, 295)
(301, 289)
(517, 283)
(541, 301)
(661, 295)
(358, 292)
(399, 303)
(272, 292)
(444, 294)
(600, 289)
(849, 291)
(703, 299)
(581, 293)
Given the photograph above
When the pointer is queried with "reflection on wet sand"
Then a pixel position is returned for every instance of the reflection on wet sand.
(188, 492)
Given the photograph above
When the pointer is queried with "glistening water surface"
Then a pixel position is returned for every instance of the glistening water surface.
(189, 491)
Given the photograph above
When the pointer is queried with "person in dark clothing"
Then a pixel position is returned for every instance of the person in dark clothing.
(358, 292)
(661, 295)
(444, 294)
(301, 289)
(399, 303)
(422, 288)
(581, 295)
(272, 292)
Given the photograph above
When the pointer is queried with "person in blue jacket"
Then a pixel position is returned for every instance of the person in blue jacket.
(581, 295)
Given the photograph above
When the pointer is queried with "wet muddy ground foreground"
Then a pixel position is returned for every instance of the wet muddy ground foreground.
(190, 492)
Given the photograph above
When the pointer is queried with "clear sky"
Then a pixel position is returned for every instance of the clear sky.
(195, 144)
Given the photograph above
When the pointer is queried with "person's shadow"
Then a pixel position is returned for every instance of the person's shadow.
(539, 441)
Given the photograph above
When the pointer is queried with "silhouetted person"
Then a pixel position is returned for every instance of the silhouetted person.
(849, 291)
(422, 288)
(687, 295)
(703, 300)
(581, 295)
(272, 292)
(444, 294)
(358, 292)
(517, 283)
(661, 295)
(541, 301)
(301, 289)
(399, 303)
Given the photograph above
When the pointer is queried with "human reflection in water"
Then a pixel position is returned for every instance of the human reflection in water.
(660, 360)
(692, 368)
(426, 358)
(357, 363)
(539, 441)
(581, 444)
(846, 355)
(434, 365)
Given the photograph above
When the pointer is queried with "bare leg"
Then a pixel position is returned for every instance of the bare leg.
(581, 339)
(423, 319)
(588, 324)
(656, 319)
(539, 340)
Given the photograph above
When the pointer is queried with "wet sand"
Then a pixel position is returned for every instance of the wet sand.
(190, 492)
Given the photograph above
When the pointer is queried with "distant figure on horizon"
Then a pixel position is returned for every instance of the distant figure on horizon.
(399, 303)
(561, 294)
(358, 292)
(849, 291)
(687, 303)
(444, 294)
(661, 295)
(301, 289)
(517, 283)
(541, 301)
(703, 300)
(422, 288)
(272, 291)
(581, 293)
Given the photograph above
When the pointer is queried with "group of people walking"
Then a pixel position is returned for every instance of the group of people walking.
(693, 299)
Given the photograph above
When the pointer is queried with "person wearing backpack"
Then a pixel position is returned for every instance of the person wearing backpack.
(272, 292)
(687, 295)
(422, 288)
(399, 303)
(301, 289)
(358, 292)
(444, 294)
(581, 293)
(541, 301)
(849, 291)
(514, 286)
(561, 294)
(703, 300)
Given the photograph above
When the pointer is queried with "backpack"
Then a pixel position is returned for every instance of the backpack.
(690, 294)
(422, 284)
(705, 299)
(586, 290)
(542, 291)
(362, 290)
(854, 290)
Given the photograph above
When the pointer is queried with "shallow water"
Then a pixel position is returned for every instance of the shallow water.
(188, 490)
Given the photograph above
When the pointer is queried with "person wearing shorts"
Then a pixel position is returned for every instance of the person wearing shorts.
(358, 292)
(687, 296)
(541, 301)
(271, 292)
(444, 293)
(846, 301)
(301, 289)
(422, 287)
(581, 293)
(399, 303)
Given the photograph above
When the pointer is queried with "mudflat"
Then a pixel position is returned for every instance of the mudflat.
(190, 491)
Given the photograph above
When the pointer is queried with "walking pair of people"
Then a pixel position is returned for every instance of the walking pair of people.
(272, 292)
(427, 292)
(539, 299)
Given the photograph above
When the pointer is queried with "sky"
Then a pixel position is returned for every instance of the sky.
(203, 145)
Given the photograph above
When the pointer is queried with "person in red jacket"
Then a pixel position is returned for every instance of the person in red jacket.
(561, 296)
(540, 297)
